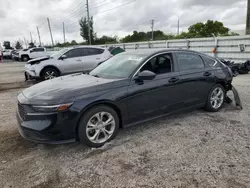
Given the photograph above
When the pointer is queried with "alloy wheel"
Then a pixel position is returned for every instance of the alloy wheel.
(100, 127)
(217, 98)
(49, 75)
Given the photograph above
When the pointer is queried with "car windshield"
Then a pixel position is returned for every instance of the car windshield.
(119, 66)
(59, 53)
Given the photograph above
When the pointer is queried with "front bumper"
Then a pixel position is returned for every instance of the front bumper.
(46, 128)
(30, 75)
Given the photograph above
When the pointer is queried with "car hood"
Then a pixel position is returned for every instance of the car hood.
(38, 60)
(63, 89)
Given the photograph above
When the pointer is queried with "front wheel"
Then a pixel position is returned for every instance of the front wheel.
(215, 98)
(49, 74)
(98, 126)
(25, 58)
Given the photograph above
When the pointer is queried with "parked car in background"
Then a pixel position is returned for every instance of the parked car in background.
(7, 53)
(32, 53)
(66, 61)
(115, 50)
(15, 55)
(127, 89)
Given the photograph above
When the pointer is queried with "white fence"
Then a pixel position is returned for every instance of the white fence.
(236, 48)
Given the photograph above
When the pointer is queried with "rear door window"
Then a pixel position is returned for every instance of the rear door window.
(94, 51)
(78, 52)
(189, 61)
(211, 62)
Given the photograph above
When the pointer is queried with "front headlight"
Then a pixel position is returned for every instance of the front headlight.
(54, 108)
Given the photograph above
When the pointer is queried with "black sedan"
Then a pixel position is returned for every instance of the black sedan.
(130, 88)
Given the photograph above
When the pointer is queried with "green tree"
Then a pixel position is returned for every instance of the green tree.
(32, 45)
(105, 40)
(209, 29)
(18, 45)
(185, 35)
(142, 36)
(234, 34)
(84, 29)
(231, 34)
(6, 44)
(73, 42)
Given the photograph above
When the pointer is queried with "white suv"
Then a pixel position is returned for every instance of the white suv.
(32, 53)
(66, 61)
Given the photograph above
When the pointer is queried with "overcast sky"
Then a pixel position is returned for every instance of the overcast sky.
(112, 17)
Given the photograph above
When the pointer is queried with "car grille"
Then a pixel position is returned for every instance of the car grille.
(22, 111)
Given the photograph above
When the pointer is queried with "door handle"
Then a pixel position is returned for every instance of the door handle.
(97, 58)
(207, 74)
(173, 80)
(78, 60)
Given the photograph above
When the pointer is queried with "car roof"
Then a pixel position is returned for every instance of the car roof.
(86, 46)
(150, 52)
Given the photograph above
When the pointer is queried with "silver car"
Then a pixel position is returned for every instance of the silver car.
(66, 61)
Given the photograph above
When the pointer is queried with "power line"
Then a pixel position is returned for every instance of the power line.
(59, 15)
(102, 4)
(96, 2)
(104, 11)
(115, 7)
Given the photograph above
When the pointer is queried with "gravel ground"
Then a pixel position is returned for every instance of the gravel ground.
(195, 149)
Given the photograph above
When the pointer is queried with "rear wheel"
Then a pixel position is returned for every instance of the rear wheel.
(49, 74)
(98, 126)
(215, 98)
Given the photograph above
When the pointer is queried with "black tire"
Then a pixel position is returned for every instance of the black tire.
(82, 127)
(209, 107)
(52, 70)
(25, 58)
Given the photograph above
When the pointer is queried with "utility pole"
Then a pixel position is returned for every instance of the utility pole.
(87, 6)
(248, 18)
(152, 27)
(31, 39)
(64, 39)
(50, 32)
(38, 33)
(178, 27)
(25, 42)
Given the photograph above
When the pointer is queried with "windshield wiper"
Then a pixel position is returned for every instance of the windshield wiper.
(96, 76)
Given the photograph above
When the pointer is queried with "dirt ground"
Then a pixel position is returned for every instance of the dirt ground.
(189, 150)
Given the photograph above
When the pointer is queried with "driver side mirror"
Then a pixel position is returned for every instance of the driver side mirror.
(146, 75)
(63, 57)
(31, 51)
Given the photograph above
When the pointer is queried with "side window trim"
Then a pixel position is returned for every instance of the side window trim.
(215, 61)
(147, 60)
